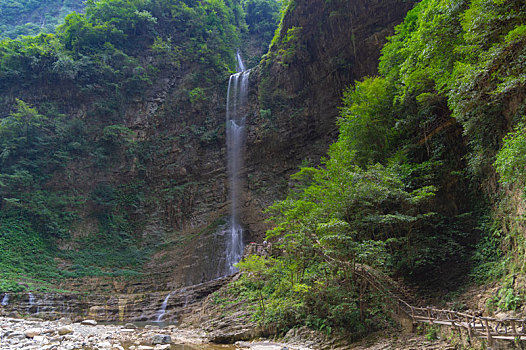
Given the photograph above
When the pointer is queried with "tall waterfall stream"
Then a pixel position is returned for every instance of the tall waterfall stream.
(231, 234)
(236, 101)
(235, 136)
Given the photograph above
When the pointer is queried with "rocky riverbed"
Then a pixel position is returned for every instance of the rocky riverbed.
(33, 334)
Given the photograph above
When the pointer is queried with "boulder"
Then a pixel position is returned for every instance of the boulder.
(89, 322)
(163, 347)
(161, 339)
(15, 335)
(65, 320)
(130, 326)
(33, 332)
(65, 330)
(40, 339)
(34, 319)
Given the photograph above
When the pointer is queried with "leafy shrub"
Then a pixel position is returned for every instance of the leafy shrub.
(510, 162)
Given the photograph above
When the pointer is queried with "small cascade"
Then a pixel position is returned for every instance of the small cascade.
(31, 303)
(235, 134)
(162, 310)
(5, 299)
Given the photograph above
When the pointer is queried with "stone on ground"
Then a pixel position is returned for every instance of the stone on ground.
(65, 330)
(161, 339)
(89, 322)
(32, 332)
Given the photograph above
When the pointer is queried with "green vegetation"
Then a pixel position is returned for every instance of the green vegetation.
(262, 17)
(34, 217)
(399, 190)
(510, 161)
(31, 17)
(64, 130)
(425, 182)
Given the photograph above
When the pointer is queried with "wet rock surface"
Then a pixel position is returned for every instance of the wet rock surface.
(93, 308)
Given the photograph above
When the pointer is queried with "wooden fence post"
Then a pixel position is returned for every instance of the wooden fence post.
(452, 317)
(488, 333)
(470, 332)
(429, 315)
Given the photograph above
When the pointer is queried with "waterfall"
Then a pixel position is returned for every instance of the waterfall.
(5, 299)
(240, 65)
(162, 310)
(31, 302)
(235, 135)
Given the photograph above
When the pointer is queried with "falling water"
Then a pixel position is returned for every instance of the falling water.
(235, 135)
(240, 65)
(32, 302)
(162, 310)
(5, 300)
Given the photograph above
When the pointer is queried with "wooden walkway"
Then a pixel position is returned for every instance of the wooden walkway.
(512, 329)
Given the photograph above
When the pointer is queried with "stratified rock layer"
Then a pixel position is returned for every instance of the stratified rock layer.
(293, 106)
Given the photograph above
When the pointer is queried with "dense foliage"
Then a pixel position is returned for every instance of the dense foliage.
(400, 189)
(63, 107)
(262, 17)
(427, 175)
(31, 17)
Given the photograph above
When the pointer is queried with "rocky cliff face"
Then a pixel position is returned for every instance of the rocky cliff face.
(322, 47)
(294, 98)
(119, 307)
(180, 165)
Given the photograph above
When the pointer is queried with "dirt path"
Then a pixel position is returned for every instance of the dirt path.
(380, 341)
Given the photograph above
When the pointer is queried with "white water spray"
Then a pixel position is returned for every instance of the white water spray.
(240, 65)
(235, 136)
(32, 302)
(162, 310)
(5, 299)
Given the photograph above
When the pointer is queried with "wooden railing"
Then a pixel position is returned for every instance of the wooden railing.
(513, 329)
(489, 328)
(476, 326)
